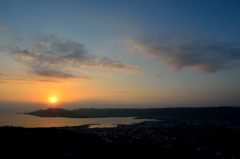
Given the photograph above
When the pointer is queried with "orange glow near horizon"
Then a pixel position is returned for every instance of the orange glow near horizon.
(72, 91)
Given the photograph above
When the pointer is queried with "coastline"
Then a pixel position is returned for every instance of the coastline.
(30, 121)
(151, 113)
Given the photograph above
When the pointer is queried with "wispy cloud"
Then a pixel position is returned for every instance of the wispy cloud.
(55, 73)
(202, 55)
(22, 77)
(3, 28)
(159, 75)
(52, 57)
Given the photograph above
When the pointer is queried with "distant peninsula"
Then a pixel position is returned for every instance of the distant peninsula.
(150, 113)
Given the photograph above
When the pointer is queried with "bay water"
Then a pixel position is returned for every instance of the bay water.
(29, 121)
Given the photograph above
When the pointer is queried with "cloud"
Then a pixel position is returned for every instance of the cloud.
(110, 64)
(3, 28)
(159, 75)
(59, 55)
(22, 77)
(55, 73)
(203, 55)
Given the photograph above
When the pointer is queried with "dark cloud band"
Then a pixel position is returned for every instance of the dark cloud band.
(203, 55)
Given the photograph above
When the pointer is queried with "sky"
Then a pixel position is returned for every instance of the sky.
(120, 54)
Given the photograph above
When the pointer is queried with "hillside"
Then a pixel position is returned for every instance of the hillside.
(155, 113)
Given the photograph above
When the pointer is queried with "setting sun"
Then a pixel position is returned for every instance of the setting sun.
(53, 100)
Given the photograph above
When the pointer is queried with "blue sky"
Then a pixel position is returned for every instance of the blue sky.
(146, 53)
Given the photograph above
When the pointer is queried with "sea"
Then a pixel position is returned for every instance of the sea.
(29, 121)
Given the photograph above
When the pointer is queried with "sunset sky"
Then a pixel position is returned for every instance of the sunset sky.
(120, 53)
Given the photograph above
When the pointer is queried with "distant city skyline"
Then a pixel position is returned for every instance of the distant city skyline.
(121, 53)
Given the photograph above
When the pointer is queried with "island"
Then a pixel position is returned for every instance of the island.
(148, 113)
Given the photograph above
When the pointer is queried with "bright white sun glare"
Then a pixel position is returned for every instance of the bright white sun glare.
(53, 100)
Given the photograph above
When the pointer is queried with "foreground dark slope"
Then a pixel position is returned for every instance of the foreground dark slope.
(157, 113)
(47, 142)
(177, 141)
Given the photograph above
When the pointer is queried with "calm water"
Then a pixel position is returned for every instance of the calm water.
(28, 121)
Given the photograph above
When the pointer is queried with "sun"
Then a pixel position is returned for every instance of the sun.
(53, 100)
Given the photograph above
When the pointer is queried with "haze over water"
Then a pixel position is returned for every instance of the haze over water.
(28, 121)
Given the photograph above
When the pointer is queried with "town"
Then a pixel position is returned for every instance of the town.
(188, 137)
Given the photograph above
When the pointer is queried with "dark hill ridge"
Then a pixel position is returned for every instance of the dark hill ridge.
(52, 112)
(155, 113)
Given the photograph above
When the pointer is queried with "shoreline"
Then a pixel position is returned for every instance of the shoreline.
(30, 121)
(151, 113)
